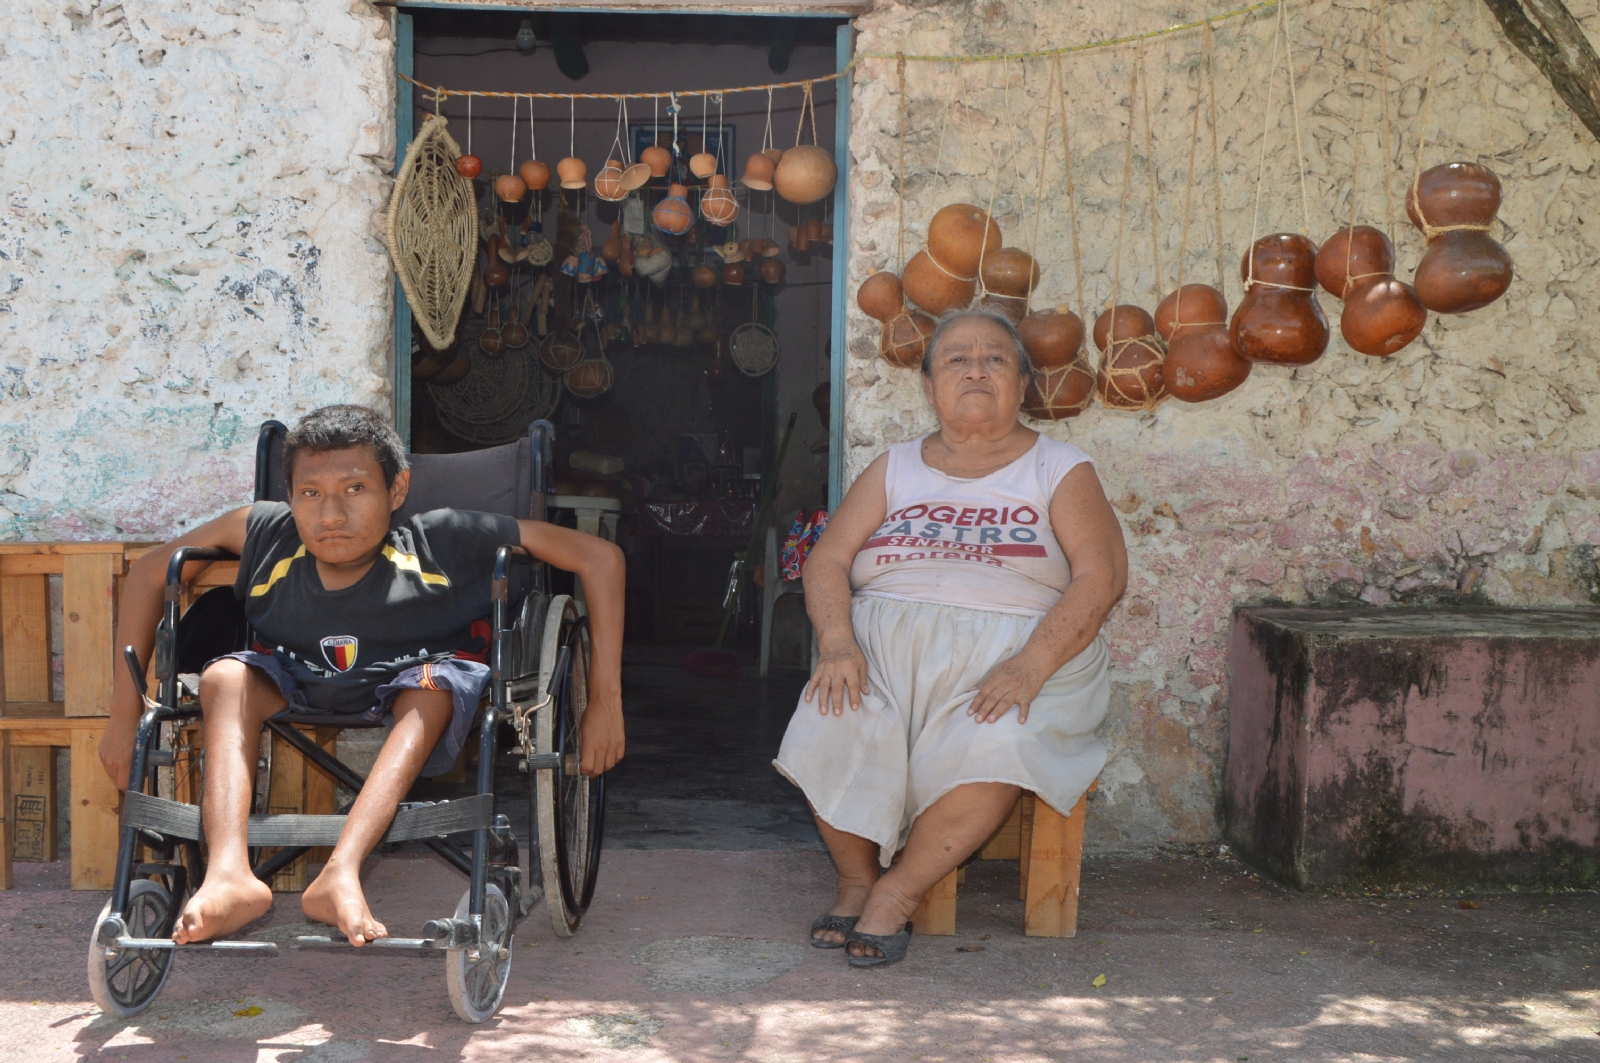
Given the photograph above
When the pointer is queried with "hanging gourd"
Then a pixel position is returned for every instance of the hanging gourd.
(1130, 374)
(1062, 383)
(881, 296)
(673, 214)
(903, 339)
(806, 172)
(469, 165)
(1201, 363)
(959, 237)
(1278, 319)
(702, 163)
(1009, 277)
(1381, 314)
(1464, 268)
(717, 205)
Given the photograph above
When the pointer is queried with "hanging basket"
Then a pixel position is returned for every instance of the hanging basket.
(433, 232)
(497, 398)
(754, 349)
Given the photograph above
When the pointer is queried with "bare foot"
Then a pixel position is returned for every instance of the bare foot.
(222, 905)
(850, 901)
(335, 898)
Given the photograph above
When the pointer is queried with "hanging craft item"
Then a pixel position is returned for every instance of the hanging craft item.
(432, 231)
(1130, 373)
(1381, 314)
(945, 275)
(515, 332)
(469, 165)
(717, 205)
(880, 295)
(772, 270)
(560, 351)
(703, 164)
(591, 377)
(733, 273)
(806, 172)
(1009, 277)
(534, 174)
(493, 400)
(1454, 207)
(903, 339)
(611, 250)
(509, 186)
(573, 171)
(457, 368)
(759, 168)
(653, 264)
(585, 265)
(1201, 361)
(704, 276)
(1278, 320)
(934, 288)
(754, 347)
(608, 182)
(673, 214)
(489, 340)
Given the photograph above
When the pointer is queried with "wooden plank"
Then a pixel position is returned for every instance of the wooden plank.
(34, 711)
(286, 794)
(321, 798)
(1050, 908)
(937, 913)
(89, 604)
(31, 564)
(25, 636)
(96, 814)
(7, 834)
(65, 549)
(33, 804)
(1006, 842)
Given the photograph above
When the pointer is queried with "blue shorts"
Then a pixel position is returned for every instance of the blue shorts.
(466, 680)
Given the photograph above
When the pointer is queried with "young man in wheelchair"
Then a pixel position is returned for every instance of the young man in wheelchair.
(352, 615)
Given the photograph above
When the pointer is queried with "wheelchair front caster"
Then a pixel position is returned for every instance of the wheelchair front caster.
(125, 981)
(477, 977)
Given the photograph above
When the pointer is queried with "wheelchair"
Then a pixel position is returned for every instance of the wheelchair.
(539, 656)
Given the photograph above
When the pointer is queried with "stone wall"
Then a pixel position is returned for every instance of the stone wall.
(1466, 465)
(191, 241)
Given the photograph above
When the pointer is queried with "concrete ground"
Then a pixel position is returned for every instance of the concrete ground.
(695, 951)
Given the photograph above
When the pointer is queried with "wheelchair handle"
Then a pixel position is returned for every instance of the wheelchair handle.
(131, 656)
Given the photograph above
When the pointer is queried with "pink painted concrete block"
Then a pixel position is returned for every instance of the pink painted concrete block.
(1427, 746)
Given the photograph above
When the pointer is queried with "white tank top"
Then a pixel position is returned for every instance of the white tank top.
(983, 544)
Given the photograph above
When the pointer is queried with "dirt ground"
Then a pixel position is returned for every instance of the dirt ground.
(701, 955)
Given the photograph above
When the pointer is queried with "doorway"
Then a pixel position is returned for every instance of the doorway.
(675, 446)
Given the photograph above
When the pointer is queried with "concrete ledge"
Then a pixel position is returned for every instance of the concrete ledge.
(1416, 746)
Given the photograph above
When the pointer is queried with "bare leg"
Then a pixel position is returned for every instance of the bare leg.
(856, 860)
(420, 717)
(236, 701)
(947, 832)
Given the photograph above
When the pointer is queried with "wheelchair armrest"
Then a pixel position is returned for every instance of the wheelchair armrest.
(183, 555)
(500, 587)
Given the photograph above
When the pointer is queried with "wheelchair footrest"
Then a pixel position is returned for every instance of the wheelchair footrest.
(174, 819)
(266, 948)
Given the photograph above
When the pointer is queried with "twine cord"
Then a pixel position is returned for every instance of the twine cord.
(900, 178)
(1072, 196)
(1038, 192)
(1216, 160)
(513, 164)
(1294, 110)
(1429, 230)
(1150, 161)
(1261, 165)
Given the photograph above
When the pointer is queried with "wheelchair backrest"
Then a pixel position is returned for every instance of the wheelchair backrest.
(512, 480)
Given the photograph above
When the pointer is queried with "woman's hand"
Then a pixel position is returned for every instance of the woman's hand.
(841, 676)
(1014, 681)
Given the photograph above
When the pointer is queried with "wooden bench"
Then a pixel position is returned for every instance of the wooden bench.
(1049, 849)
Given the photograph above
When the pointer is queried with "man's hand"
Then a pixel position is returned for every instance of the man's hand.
(841, 676)
(601, 735)
(116, 750)
(1015, 681)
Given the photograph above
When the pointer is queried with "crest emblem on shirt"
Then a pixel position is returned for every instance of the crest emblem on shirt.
(340, 652)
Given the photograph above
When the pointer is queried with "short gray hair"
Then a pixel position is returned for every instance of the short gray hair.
(952, 317)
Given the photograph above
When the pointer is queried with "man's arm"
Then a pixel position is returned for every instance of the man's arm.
(137, 615)
(603, 570)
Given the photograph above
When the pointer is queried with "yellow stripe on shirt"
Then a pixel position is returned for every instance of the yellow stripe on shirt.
(409, 563)
(280, 570)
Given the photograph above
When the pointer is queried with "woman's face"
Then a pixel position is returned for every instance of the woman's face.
(975, 379)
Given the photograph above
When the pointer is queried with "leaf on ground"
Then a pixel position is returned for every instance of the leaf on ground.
(1470, 906)
(1258, 930)
(969, 948)
(1305, 952)
(248, 1013)
(1099, 980)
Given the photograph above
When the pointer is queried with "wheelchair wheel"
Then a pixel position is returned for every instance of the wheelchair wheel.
(125, 982)
(476, 985)
(569, 809)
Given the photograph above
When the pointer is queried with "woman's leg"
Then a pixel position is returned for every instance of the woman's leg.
(947, 832)
(856, 860)
(420, 717)
(235, 700)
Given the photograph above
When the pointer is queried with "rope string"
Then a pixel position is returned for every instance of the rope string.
(1294, 111)
(1188, 200)
(1380, 14)
(1216, 160)
(900, 176)
(1261, 165)
(1072, 196)
(1038, 193)
(1150, 161)
(1429, 230)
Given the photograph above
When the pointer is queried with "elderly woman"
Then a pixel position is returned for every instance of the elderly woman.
(957, 595)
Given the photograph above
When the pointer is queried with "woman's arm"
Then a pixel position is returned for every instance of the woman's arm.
(1091, 537)
(138, 612)
(603, 570)
(841, 673)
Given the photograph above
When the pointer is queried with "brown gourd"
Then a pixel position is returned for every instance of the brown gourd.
(1062, 382)
(1129, 377)
(1009, 276)
(1201, 363)
(1278, 320)
(1464, 269)
(880, 295)
(933, 288)
(959, 236)
(1381, 314)
(904, 338)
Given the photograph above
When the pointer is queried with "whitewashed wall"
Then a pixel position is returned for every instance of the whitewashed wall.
(191, 241)
(1468, 462)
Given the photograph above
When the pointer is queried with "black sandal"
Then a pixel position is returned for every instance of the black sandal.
(842, 923)
(893, 947)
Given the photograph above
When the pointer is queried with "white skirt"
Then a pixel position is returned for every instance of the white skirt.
(872, 772)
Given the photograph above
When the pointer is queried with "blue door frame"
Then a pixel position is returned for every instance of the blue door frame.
(844, 48)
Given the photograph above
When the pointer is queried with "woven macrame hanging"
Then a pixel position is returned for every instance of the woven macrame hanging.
(433, 232)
